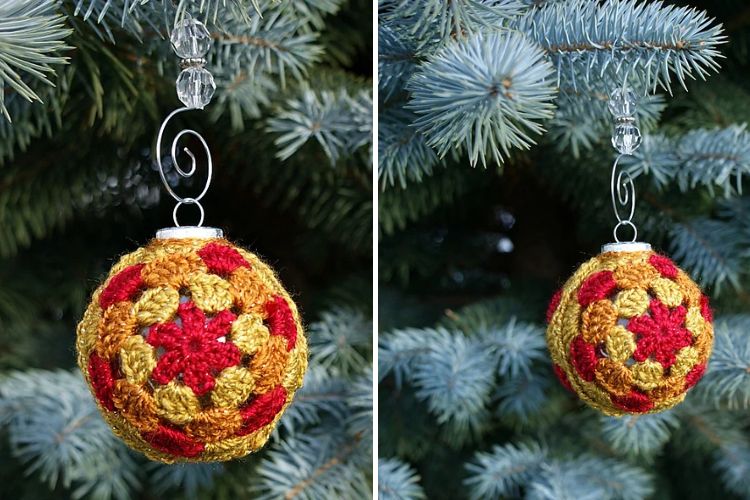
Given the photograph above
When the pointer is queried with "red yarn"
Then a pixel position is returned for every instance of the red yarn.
(122, 286)
(583, 356)
(660, 335)
(635, 402)
(262, 410)
(281, 321)
(193, 349)
(598, 286)
(562, 377)
(706, 311)
(100, 374)
(222, 259)
(665, 266)
(694, 375)
(553, 303)
(173, 441)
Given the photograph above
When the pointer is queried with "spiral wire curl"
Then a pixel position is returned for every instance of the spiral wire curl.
(622, 190)
(179, 169)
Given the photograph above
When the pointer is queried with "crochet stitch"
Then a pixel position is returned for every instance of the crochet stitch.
(629, 333)
(192, 350)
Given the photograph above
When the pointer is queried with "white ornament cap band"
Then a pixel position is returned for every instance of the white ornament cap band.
(630, 246)
(186, 232)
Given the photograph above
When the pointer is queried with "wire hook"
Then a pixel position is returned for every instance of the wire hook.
(622, 190)
(178, 168)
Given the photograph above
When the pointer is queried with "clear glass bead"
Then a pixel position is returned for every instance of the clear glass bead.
(195, 87)
(190, 39)
(622, 103)
(626, 138)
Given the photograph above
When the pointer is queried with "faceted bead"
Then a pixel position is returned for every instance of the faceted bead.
(626, 138)
(195, 87)
(622, 103)
(190, 39)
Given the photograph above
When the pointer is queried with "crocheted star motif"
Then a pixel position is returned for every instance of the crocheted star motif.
(195, 349)
(661, 335)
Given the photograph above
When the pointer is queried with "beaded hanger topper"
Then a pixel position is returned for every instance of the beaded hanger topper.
(195, 88)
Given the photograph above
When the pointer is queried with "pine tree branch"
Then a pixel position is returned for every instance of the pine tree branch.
(639, 435)
(327, 464)
(32, 34)
(502, 472)
(487, 94)
(727, 382)
(611, 41)
(341, 340)
(709, 249)
(438, 21)
(398, 481)
(55, 428)
(713, 158)
(336, 121)
(274, 44)
(335, 460)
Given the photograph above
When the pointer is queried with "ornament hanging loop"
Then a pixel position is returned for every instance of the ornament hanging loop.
(626, 138)
(188, 201)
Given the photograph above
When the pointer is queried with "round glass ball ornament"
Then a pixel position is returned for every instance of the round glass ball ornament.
(629, 332)
(192, 348)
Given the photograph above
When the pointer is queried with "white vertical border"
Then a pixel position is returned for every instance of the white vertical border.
(375, 249)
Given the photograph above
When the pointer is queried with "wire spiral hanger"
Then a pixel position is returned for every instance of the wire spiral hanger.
(622, 190)
(183, 173)
(626, 138)
(195, 87)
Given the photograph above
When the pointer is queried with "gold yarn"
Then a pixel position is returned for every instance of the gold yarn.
(591, 344)
(115, 339)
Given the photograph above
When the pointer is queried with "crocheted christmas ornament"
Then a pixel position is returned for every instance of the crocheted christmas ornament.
(192, 350)
(629, 333)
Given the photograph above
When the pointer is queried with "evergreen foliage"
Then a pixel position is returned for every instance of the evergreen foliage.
(86, 84)
(469, 404)
(482, 74)
(397, 480)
